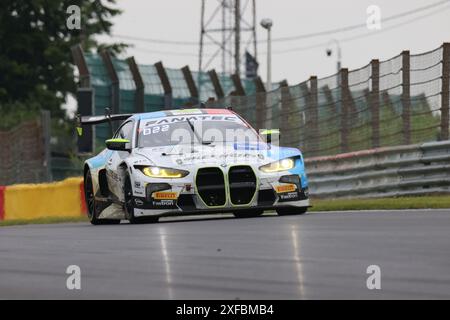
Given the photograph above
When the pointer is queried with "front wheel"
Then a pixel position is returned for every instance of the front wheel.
(248, 213)
(129, 206)
(91, 203)
(291, 211)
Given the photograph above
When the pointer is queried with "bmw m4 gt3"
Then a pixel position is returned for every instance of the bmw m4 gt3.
(190, 161)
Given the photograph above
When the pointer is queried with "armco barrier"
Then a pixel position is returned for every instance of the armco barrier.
(30, 201)
(393, 171)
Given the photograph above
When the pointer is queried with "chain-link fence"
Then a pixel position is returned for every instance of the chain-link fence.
(403, 100)
(25, 152)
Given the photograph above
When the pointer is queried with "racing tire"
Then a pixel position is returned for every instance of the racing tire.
(91, 203)
(253, 213)
(129, 206)
(291, 211)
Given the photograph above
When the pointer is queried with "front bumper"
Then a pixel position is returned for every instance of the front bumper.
(184, 199)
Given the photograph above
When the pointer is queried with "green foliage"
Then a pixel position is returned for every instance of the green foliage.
(12, 114)
(35, 58)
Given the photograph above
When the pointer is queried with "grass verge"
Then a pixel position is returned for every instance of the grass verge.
(427, 202)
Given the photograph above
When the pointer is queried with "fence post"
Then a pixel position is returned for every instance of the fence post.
(115, 85)
(375, 102)
(139, 96)
(239, 88)
(406, 98)
(344, 109)
(260, 103)
(45, 124)
(216, 84)
(165, 82)
(80, 62)
(445, 94)
(314, 110)
(187, 74)
(285, 124)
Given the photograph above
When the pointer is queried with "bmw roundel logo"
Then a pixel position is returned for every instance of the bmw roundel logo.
(223, 165)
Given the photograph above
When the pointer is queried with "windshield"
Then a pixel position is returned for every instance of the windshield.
(195, 129)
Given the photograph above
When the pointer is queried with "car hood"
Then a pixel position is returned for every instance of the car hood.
(182, 156)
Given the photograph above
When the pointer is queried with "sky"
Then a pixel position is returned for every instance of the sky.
(179, 20)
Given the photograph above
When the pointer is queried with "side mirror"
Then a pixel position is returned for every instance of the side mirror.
(118, 144)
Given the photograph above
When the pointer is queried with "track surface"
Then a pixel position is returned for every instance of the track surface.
(314, 256)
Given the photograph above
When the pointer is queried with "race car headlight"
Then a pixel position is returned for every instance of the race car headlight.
(280, 165)
(159, 172)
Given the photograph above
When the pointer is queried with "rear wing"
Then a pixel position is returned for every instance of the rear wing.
(86, 139)
(102, 119)
(93, 120)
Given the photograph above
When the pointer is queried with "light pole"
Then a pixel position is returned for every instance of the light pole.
(267, 24)
(338, 67)
(339, 53)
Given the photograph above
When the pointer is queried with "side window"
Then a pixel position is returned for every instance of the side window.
(125, 131)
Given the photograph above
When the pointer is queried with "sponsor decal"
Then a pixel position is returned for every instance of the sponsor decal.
(221, 156)
(161, 195)
(288, 196)
(155, 129)
(164, 122)
(218, 111)
(186, 111)
(164, 203)
(285, 188)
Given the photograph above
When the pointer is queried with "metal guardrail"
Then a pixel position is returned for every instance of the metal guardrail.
(384, 172)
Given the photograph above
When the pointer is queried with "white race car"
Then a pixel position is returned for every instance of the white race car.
(190, 161)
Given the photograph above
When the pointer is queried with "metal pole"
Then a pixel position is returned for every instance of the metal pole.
(406, 98)
(339, 56)
(269, 79)
(237, 36)
(224, 38)
(269, 61)
(339, 53)
(45, 124)
(200, 55)
(344, 110)
(255, 45)
(445, 94)
(374, 99)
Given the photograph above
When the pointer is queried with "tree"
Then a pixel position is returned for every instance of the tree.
(35, 58)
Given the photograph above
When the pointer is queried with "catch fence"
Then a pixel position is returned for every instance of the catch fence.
(400, 101)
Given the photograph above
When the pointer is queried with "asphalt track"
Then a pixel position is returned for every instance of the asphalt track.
(314, 256)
